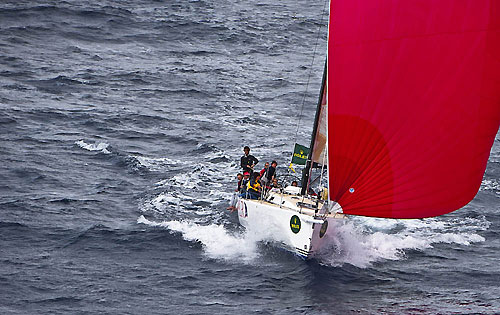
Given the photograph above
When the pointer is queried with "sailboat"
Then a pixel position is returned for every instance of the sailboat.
(408, 112)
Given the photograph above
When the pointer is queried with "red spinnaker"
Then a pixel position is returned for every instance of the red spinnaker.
(413, 103)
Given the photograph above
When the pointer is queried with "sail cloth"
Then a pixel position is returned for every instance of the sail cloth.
(413, 103)
(318, 152)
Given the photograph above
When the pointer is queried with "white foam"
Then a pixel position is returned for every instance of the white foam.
(221, 194)
(164, 198)
(490, 184)
(101, 146)
(162, 182)
(156, 164)
(364, 241)
(495, 150)
(188, 181)
(167, 202)
(350, 245)
(217, 242)
(462, 239)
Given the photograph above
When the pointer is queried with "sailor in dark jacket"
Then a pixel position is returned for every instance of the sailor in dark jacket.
(271, 172)
(248, 161)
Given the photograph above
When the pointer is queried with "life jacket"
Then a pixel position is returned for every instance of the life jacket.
(253, 185)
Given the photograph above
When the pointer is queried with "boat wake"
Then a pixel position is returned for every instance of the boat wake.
(360, 244)
(217, 242)
(364, 241)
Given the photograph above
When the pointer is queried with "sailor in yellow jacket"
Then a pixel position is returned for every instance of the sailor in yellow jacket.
(253, 187)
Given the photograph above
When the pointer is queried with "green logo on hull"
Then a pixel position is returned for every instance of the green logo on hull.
(295, 224)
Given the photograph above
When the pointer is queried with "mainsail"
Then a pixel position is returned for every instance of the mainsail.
(318, 142)
(319, 135)
(413, 104)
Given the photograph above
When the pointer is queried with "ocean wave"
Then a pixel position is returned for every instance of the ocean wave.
(63, 9)
(157, 164)
(65, 300)
(15, 225)
(58, 85)
(101, 146)
(495, 150)
(197, 192)
(490, 184)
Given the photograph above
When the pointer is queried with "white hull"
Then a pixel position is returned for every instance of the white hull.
(288, 219)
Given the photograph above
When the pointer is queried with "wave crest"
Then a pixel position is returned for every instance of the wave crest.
(100, 146)
(217, 241)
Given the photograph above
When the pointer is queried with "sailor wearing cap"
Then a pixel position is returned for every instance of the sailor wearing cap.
(244, 182)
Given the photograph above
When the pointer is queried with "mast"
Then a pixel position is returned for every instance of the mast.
(307, 170)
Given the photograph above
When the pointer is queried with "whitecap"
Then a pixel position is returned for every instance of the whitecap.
(101, 146)
(490, 184)
(156, 164)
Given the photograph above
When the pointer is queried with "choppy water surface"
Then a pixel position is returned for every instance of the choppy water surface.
(122, 124)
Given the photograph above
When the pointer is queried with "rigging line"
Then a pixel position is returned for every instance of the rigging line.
(310, 69)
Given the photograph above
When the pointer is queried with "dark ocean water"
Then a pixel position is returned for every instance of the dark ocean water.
(122, 123)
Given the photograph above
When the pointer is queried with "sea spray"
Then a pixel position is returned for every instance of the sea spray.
(364, 241)
(217, 242)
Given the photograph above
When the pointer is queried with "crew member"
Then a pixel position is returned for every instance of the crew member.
(240, 179)
(271, 172)
(234, 198)
(253, 187)
(263, 174)
(244, 182)
(248, 161)
(275, 183)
